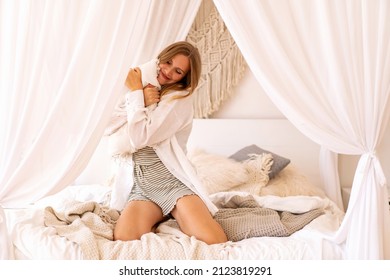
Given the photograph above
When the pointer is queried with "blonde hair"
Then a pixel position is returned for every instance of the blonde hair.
(191, 79)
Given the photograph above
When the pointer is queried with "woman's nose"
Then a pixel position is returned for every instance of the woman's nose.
(169, 72)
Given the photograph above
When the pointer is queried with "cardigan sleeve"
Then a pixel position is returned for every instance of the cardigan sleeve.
(150, 127)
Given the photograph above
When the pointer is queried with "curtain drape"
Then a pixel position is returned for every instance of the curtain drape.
(326, 66)
(63, 65)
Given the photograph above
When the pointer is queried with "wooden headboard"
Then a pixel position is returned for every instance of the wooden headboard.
(226, 136)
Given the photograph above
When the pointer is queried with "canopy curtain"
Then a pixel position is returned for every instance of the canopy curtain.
(326, 66)
(63, 66)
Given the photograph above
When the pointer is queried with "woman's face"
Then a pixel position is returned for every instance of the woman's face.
(173, 70)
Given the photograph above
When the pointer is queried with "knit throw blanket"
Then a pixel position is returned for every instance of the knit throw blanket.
(242, 218)
(91, 225)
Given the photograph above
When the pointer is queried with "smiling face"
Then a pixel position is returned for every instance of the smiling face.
(180, 67)
(173, 70)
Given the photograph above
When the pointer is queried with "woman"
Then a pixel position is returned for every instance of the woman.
(165, 183)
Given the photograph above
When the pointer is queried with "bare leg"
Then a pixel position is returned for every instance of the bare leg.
(136, 219)
(195, 219)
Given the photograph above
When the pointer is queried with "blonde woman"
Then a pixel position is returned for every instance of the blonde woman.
(165, 183)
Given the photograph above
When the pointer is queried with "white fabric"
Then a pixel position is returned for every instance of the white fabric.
(330, 176)
(6, 251)
(56, 107)
(149, 72)
(326, 65)
(63, 66)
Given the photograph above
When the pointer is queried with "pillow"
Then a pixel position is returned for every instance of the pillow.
(291, 182)
(279, 162)
(119, 143)
(258, 168)
(217, 173)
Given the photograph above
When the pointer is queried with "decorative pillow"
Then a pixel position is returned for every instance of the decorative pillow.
(217, 173)
(258, 168)
(291, 182)
(279, 162)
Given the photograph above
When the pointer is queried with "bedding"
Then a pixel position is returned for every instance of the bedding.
(77, 223)
(90, 225)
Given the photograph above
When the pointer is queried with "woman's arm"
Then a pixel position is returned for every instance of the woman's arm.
(134, 82)
(134, 79)
(151, 95)
(149, 128)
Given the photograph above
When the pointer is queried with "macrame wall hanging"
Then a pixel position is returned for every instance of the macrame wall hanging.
(222, 63)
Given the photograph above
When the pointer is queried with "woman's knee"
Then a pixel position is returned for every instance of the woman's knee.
(138, 218)
(210, 232)
(127, 234)
(214, 237)
(194, 219)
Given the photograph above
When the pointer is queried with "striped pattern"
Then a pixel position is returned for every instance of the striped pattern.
(154, 182)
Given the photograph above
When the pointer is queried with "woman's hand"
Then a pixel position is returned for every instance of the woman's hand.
(134, 79)
(151, 95)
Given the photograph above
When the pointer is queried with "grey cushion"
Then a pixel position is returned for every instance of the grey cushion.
(279, 161)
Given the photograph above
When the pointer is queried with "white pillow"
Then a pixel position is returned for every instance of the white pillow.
(291, 182)
(217, 173)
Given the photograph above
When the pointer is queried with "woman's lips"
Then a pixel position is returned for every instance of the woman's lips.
(164, 76)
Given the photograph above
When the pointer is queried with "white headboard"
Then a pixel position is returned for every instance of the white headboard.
(226, 136)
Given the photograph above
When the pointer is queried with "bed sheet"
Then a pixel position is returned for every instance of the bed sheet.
(33, 240)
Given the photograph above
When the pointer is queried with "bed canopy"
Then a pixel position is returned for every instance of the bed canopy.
(325, 65)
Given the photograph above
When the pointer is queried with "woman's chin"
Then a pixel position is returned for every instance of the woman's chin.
(161, 81)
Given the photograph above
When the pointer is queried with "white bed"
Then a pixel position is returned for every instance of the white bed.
(295, 189)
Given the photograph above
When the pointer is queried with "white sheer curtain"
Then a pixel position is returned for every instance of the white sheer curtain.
(63, 65)
(326, 65)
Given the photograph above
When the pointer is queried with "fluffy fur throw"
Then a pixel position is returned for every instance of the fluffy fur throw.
(258, 167)
(219, 173)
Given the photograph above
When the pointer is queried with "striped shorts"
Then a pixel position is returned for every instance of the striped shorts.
(153, 181)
